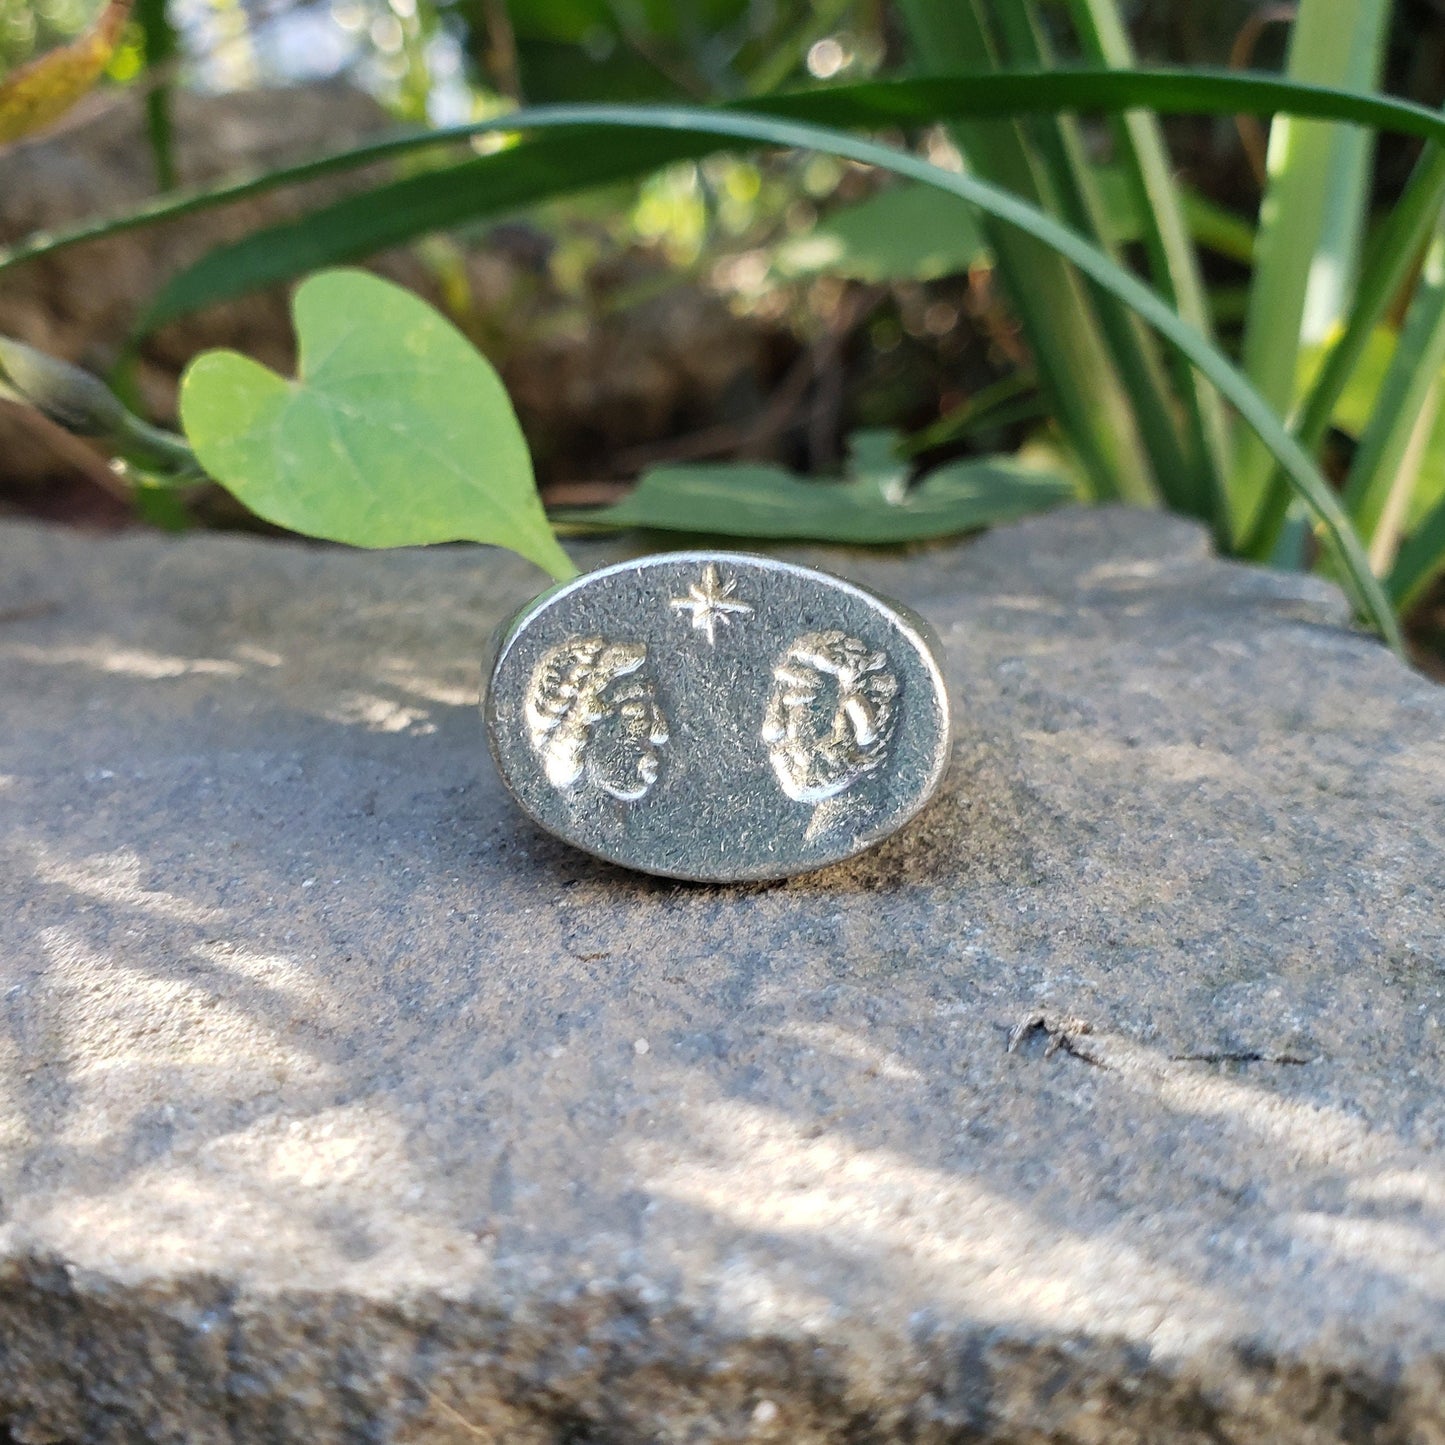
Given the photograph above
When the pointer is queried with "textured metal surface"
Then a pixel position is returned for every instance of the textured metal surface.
(718, 716)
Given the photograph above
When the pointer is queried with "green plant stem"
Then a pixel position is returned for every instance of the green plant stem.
(160, 44)
(1012, 398)
(74, 399)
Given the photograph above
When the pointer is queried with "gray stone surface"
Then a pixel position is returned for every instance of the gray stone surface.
(341, 1104)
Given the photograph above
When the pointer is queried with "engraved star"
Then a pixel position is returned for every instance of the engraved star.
(708, 602)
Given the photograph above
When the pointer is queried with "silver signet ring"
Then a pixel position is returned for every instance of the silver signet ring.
(718, 716)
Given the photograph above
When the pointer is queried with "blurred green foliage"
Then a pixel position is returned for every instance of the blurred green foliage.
(30, 26)
(848, 262)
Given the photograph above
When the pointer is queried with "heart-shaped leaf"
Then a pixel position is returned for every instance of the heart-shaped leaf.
(396, 432)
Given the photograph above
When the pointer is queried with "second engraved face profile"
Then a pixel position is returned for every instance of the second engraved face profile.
(593, 717)
(830, 716)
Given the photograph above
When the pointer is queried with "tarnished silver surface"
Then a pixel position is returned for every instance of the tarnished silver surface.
(718, 716)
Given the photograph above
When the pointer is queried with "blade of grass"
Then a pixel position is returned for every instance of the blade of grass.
(1413, 372)
(1333, 41)
(1349, 177)
(1421, 561)
(481, 186)
(1010, 399)
(1077, 374)
(1384, 542)
(1387, 267)
(872, 105)
(1219, 230)
(1006, 207)
(1166, 235)
(412, 206)
(1072, 182)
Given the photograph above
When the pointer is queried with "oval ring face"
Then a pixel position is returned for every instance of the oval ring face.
(718, 716)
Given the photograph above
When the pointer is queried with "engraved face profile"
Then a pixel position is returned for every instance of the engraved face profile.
(830, 715)
(593, 717)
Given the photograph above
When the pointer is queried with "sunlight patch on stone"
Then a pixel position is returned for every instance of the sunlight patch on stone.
(380, 715)
(272, 970)
(1405, 1188)
(122, 1036)
(841, 1043)
(1406, 1249)
(333, 1194)
(974, 1250)
(126, 661)
(1309, 1132)
(261, 656)
(118, 878)
(400, 673)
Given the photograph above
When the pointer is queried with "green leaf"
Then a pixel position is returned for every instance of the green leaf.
(904, 233)
(396, 432)
(742, 500)
(43, 90)
(917, 233)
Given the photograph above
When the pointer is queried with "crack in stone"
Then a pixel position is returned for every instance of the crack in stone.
(1064, 1036)
(1242, 1057)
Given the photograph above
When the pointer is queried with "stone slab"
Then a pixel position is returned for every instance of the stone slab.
(341, 1104)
